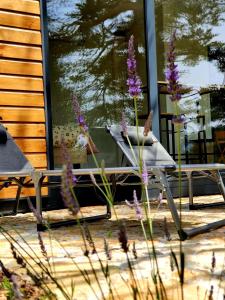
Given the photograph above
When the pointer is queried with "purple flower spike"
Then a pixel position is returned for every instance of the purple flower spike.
(134, 83)
(82, 123)
(68, 181)
(172, 73)
(78, 116)
(69, 166)
(137, 206)
(144, 174)
(76, 106)
(180, 119)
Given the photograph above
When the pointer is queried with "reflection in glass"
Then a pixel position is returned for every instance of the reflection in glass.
(88, 51)
(200, 49)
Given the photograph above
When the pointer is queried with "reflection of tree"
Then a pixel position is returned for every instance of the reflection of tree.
(218, 53)
(88, 55)
(218, 106)
(194, 22)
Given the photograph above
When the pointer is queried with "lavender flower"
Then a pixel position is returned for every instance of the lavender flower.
(42, 246)
(16, 288)
(133, 81)
(36, 279)
(160, 197)
(123, 237)
(77, 112)
(68, 181)
(69, 166)
(66, 192)
(135, 205)
(179, 119)
(134, 250)
(5, 271)
(37, 215)
(107, 250)
(82, 123)
(76, 107)
(124, 125)
(89, 238)
(19, 259)
(144, 174)
(93, 179)
(211, 293)
(213, 262)
(172, 74)
(166, 230)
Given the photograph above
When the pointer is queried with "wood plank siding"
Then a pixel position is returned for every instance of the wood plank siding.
(22, 108)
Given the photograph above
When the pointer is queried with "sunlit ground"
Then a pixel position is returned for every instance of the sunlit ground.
(199, 278)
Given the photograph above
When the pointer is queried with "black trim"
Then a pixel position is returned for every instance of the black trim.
(46, 77)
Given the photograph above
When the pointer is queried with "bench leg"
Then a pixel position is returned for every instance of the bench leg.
(215, 177)
(37, 180)
(176, 218)
(220, 184)
(18, 193)
(42, 226)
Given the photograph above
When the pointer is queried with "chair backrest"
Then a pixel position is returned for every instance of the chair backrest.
(12, 158)
(153, 153)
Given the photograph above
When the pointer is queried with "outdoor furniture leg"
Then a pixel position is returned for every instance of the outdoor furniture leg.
(202, 229)
(190, 189)
(19, 189)
(162, 177)
(217, 178)
(183, 233)
(220, 184)
(38, 178)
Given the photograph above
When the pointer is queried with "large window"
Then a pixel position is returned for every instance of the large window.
(88, 42)
(200, 49)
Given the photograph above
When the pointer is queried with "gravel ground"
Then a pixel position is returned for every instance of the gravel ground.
(200, 278)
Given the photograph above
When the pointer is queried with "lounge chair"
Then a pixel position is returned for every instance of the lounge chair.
(14, 167)
(159, 164)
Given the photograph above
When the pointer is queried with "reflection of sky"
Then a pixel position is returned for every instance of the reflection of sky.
(58, 10)
(204, 73)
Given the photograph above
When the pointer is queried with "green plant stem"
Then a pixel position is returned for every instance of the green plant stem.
(177, 110)
(85, 276)
(9, 238)
(137, 126)
(149, 209)
(132, 150)
(108, 195)
(133, 278)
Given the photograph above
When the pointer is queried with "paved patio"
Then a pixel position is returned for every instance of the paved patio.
(198, 251)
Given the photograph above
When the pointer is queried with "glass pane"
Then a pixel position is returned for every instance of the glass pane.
(88, 51)
(200, 49)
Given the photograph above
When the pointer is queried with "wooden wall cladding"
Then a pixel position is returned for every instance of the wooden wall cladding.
(26, 6)
(20, 52)
(20, 20)
(22, 108)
